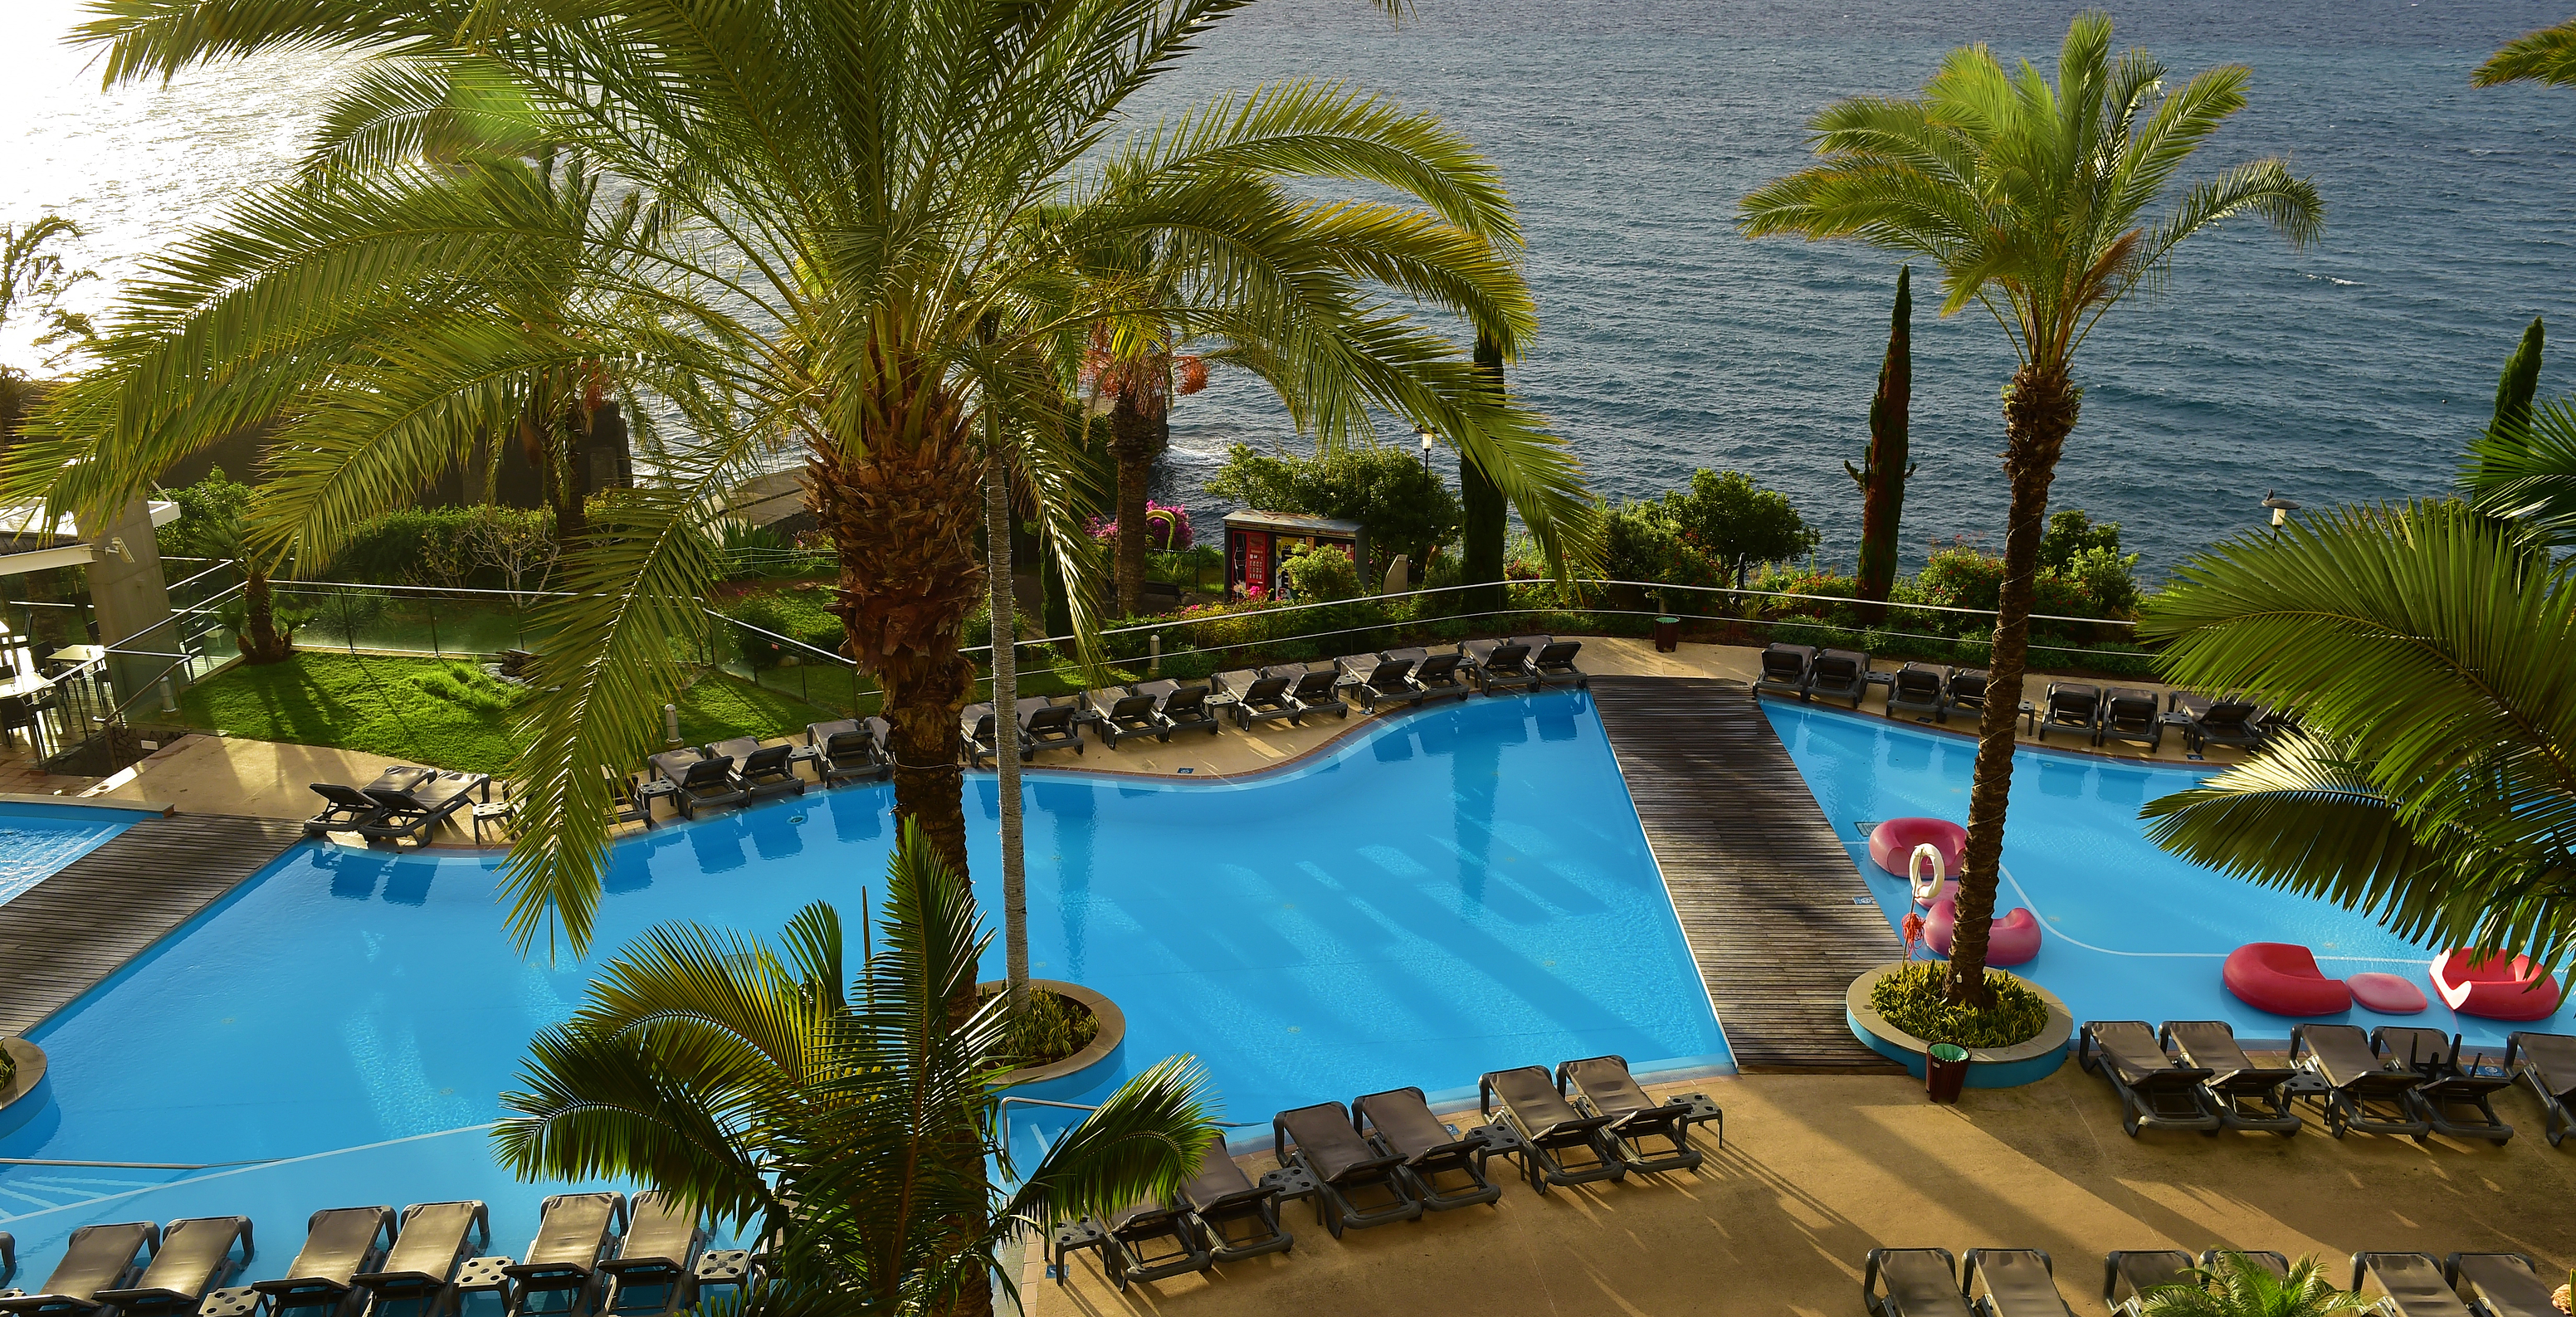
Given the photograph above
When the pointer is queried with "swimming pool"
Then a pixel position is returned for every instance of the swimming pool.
(37, 839)
(2131, 932)
(1454, 891)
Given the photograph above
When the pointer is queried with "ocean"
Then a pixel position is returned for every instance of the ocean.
(2353, 371)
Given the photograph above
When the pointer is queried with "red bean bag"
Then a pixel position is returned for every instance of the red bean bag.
(1893, 842)
(2012, 939)
(2282, 977)
(2492, 985)
(2386, 994)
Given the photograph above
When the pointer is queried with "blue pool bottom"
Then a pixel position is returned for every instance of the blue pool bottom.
(37, 839)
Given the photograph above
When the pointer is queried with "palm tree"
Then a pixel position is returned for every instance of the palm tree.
(2239, 1286)
(2546, 56)
(2426, 651)
(2033, 203)
(790, 1093)
(830, 252)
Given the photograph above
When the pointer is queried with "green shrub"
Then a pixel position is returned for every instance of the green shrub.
(1912, 1000)
(1406, 506)
(800, 615)
(1049, 1029)
(8, 1067)
(1321, 575)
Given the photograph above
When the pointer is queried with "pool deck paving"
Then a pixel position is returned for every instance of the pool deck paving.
(1819, 1169)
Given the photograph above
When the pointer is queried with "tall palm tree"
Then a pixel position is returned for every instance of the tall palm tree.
(829, 253)
(794, 1094)
(2427, 652)
(2033, 201)
(2546, 56)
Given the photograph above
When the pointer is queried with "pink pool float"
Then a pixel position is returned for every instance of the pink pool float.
(1892, 845)
(2387, 994)
(2283, 978)
(2012, 939)
(2494, 985)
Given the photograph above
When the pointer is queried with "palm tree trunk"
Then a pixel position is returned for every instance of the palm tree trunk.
(2039, 411)
(1006, 694)
(263, 645)
(1481, 537)
(1131, 442)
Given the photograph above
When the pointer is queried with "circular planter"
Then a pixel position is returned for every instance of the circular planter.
(1081, 1071)
(1988, 1067)
(26, 1093)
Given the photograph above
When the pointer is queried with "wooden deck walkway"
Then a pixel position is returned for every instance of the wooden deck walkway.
(1765, 891)
(63, 936)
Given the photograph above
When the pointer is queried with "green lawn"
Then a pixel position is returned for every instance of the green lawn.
(440, 712)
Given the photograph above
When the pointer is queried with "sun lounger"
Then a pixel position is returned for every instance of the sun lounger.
(2018, 1282)
(411, 815)
(1240, 1219)
(1784, 669)
(1319, 690)
(1602, 1086)
(653, 1271)
(2155, 1090)
(1492, 663)
(1151, 1240)
(1047, 725)
(1357, 1185)
(1374, 681)
(2457, 1095)
(1552, 659)
(1443, 676)
(1549, 1127)
(2412, 1282)
(340, 1243)
(763, 770)
(1183, 708)
(574, 1234)
(2364, 1091)
(2072, 706)
(1966, 688)
(96, 1260)
(2129, 1275)
(2232, 721)
(1399, 1121)
(2245, 1096)
(1839, 674)
(1119, 714)
(1912, 1282)
(196, 1256)
(699, 781)
(2500, 1284)
(2547, 1063)
(344, 808)
(627, 803)
(1917, 689)
(2132, 715)
(850, 750)
(975, 731)
(434, 1239)
(1261, 696)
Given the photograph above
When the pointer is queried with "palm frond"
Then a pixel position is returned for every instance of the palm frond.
(2527, 472)
(2546, 56)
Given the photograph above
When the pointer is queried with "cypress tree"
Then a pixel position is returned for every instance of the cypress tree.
(2520, 380)
(1485, 510)
(1885, 470)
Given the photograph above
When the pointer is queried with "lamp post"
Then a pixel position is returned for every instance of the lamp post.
(2281, 509)
(1426, 450)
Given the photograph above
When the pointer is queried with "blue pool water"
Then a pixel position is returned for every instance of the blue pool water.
(37, 840)
(1455, 891)
(2130, 931)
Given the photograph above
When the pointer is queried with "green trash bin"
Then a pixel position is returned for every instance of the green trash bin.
(1945, 1071)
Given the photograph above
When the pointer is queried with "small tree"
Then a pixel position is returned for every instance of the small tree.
(1737, 523)
(1884, 471)
(213, 514)
(1321, 575)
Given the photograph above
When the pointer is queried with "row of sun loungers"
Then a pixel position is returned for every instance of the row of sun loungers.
(2022, 1282)
(2401, 1080)
(402, 804)
(588, 1257)
(2099, 713)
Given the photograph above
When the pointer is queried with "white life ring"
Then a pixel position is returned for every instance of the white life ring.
(1925, 853)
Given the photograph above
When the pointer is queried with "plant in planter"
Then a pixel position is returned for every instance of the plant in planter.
(8, 1066)
(1914, 998)
(2238, 1286)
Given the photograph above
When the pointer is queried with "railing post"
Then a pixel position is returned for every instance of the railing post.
(1154, 654)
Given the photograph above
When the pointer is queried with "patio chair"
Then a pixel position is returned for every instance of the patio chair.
(2132, 715)
(1153, 1239)
(1784, 669)
(975, 735)
(1966, 688)
(654, 1270)
(575, 1233)
(2548, 1067)
(1319, 690)
(1399, 1121)
(1437, 674)
(1261, 696)
(96, 1260)
(2500, 1284)
(1492, 663)
(1239, 1219)
(2072, 706)
(2245, 1096)
(699, 780)
(1917, 689)
(410, 816)
(1912, 1282)
(1323, 1140)
(1549, 1127)
(763, 770)
(2412, 1282)
(2364, 1092)
(1373, 680)
(2155, 1090)
(340, 1243)
(196, 1256)
(1183, 708)
(850, 750)
(1552, 659)
(1603, 1087)
(2129, 1275)
(2229, 721)
(2455, 1099)
(432, 1242)
(2019, 1282)
(1119, 715)
(1839, 674)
